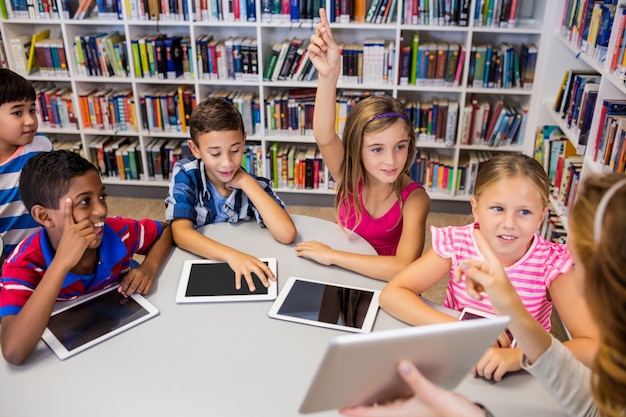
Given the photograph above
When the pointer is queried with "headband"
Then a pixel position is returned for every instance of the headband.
(390, 114)
(604, 202)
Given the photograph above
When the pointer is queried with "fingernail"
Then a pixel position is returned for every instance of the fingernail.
(464, 264)
(405, 368)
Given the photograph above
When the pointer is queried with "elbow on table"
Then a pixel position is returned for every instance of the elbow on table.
(287, 235)
(14, 355)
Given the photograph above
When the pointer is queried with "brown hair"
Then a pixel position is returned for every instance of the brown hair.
(510, 165)
(214, 114)
(362, 121)
(604, 263)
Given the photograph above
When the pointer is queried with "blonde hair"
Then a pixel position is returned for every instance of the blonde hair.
(366, 119)
(511, 165)
(604, 263)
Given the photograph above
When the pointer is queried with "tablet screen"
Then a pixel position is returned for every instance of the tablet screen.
(327, 305)
(217, 279)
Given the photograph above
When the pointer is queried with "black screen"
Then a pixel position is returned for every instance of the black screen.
(214, 279)
(327, 303)
(88, 321)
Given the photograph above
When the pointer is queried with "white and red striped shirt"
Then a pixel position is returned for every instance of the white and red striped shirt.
(531, 275)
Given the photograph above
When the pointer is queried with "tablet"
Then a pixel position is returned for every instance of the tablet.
(362, 369)
(469, 313)
(325, 304)
(206, 281)
(94, 319)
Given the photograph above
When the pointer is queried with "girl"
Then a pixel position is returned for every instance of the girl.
(510, 202)
(599, 253)
(375, 198)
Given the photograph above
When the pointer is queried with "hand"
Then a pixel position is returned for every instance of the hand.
(236, 183)
(76, 238)
(487, 276)
(428, 400)
(136, 281)
(498, 361)
(316, 251)
(244, 265)
(323, 50)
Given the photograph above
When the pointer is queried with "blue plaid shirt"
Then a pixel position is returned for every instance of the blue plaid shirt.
(189, 197)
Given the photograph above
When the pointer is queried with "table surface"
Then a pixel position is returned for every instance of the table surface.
(220, 359)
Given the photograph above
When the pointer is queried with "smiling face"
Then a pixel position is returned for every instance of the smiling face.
(384, 153)
(221, 151)
(19, 123)
(509, 212)
(88, 202)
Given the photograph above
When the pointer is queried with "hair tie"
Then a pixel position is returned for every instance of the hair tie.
(390, 114)
(604, 202)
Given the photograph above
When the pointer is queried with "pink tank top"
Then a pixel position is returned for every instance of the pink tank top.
(384, 232)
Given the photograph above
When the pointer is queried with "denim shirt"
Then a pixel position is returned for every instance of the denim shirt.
(189, 197)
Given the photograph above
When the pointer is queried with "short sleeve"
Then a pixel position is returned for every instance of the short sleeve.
(558, 261)
(442, 241)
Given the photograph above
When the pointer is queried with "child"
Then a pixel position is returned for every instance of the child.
(79, 250)
(510, 202)
(376, 198)
(214, 188)
(19, 141)
(599, 254)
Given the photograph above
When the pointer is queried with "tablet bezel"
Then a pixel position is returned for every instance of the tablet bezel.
(272, 290)
(368, 322)
(61, 351)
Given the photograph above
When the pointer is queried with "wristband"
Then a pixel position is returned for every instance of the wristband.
(487, 412)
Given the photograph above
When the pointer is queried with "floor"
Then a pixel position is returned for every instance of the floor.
(141, 208)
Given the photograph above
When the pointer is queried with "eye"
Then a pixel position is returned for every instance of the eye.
(235, 151)
(401, 147)
(215, 155)
(84, 202)
(17, 113)
(103, 197)
(497, 209)
(525, 212)
(377, 149)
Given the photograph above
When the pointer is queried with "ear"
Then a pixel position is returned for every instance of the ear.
(194, 149)
(41, 215)
(474, 204)
(543, 216)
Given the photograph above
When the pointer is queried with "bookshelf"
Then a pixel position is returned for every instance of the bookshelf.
(572, 49)
(533, 26)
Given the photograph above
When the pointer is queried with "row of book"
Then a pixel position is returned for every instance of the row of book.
(562, 164)
(617, 64)
(380, 11)
(291, 166)
(575, 103)
(289, 60)
(431, 63)
(290, 112)
(39, 53)
(434, 120)
(492, 122)
(162, 56)
(55, 107)
(167, 109)
(369, 62)
(291, 11)
(553, 228)
(587, 25)
(502, 66)
(108, 109)
(101, 54)
(234, 58)
(610, 145)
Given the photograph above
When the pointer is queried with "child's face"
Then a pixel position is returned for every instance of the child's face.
(384, 153)
(509, 212)
(88, 203)
(19, 123)
(221, 152)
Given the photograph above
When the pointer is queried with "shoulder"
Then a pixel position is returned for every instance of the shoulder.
(188, 164)
(40, 143)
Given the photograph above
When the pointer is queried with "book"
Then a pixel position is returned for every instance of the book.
(32, 63)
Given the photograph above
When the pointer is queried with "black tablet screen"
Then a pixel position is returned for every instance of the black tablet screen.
(327, 303)
(94, 318)
(215, 279)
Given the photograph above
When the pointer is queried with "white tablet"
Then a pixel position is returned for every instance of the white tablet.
(362, 369)
(206, 281)
(93, 319)
(326, 304)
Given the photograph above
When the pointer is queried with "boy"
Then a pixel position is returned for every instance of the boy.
(214, 188)
(19, 141)
(79, 250)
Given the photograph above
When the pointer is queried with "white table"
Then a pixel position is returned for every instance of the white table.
(219, 359)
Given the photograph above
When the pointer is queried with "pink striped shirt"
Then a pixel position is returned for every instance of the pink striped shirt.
(530, 276)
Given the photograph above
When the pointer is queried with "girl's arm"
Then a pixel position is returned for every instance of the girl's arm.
(574, 313)
(324, 54)
(401, 297)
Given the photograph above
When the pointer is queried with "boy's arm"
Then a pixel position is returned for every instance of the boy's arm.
(20, 333)
(275, 218)
(141, 279)
(401, 296)
(186, 237)
(324, 53)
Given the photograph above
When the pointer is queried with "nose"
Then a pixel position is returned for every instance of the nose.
(100, 208)
(29, 119)
(509, 220)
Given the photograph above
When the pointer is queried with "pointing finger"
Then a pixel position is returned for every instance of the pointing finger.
(67, 213)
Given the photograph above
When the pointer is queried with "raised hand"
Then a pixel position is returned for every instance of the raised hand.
(76, 238)
(323, 50)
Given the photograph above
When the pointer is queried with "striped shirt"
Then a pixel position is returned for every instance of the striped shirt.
(27, 264)
(190, 198)
(531, 275)
(15, 221)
